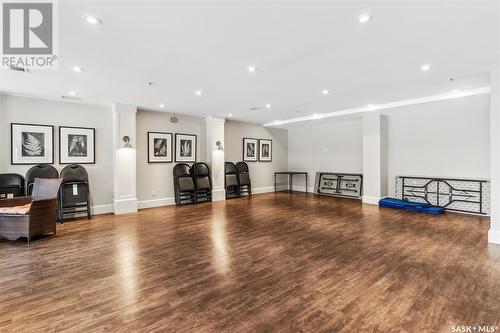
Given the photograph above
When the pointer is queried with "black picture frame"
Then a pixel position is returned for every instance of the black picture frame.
(256, 152)
(34, 162)
(261, 151)
(151, 158)
(177, 148)
(76, 161)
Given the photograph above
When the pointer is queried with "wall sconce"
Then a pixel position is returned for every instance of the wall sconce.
(219, 145)
(126, 142)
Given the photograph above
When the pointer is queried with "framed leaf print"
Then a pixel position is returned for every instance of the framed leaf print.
(250, 149)
(32, 144)
(159, 147)
(185, 147)
(76, 145)
(265, 150)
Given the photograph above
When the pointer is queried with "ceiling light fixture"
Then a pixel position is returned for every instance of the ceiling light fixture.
(78, 69)
(199, 92)
(325, 91)
(252, 69)
(162, 105)
(455, 91)
(364, 18)
(229, 115)
(268, 105)
(425, 67)
(92, 20)
(72, 93)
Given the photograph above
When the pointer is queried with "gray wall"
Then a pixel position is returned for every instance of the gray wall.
(261, 172)
(46, 112)
(447, 138)
(155, 180)
(334, 145)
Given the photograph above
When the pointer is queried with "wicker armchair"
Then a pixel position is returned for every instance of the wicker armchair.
(41, 217)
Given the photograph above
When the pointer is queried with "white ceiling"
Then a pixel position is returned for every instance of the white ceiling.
(299, 48)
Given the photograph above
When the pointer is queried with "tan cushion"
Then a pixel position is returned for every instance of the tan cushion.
(16, 210)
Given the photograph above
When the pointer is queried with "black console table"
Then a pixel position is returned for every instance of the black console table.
(290, 175)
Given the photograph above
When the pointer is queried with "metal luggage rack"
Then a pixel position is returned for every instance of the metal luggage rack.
(460, 195)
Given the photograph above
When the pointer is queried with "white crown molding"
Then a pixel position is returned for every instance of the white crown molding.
(55, 99)
(391, 105)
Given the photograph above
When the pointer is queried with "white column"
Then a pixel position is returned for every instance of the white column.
(124, 159)
(374, 157)
(215, 156)
(494, 233)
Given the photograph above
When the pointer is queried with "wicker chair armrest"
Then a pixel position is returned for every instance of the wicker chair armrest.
(17, 201)
(40, 207)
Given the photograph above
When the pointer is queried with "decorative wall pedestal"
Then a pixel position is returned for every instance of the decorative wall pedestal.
(124, 159)
(215, 156)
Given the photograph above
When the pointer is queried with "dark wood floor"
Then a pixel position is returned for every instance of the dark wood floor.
(270, 263)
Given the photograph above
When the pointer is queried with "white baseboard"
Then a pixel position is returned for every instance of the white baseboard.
(218, 194)
(171, 201)
(494, 236)
(102, 209)
(125, 206)
(302, 188)
(370, 200)
(155, 203)
(260, 190)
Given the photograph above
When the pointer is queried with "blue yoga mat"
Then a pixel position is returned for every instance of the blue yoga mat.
(409, 205)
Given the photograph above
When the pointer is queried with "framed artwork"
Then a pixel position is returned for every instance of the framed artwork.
(160, 147)
(185, 147)
(31, 144)
(265, 150)
(250, 148)
(76, 145)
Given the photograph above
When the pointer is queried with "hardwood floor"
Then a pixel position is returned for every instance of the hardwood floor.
(272, 263)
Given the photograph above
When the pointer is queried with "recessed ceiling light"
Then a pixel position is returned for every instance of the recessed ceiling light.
(425, 67)
(268, 105)
(72, 93)
(162, 105)
(363, 18)
(455, 91)
(229, 115)
(78, 69)
(92, 20)
(252, 69)
(325, 91)
(199, 92)
(370, 105)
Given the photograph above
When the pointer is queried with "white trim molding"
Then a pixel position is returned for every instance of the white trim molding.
(125, 206)
(102, 209)
(155, 203)
(371, 108)
(494, 236)
(370, 200)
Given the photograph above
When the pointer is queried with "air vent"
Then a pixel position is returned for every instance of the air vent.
(19, 69)
(71, 98)
(254, 108)
(173, 119)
